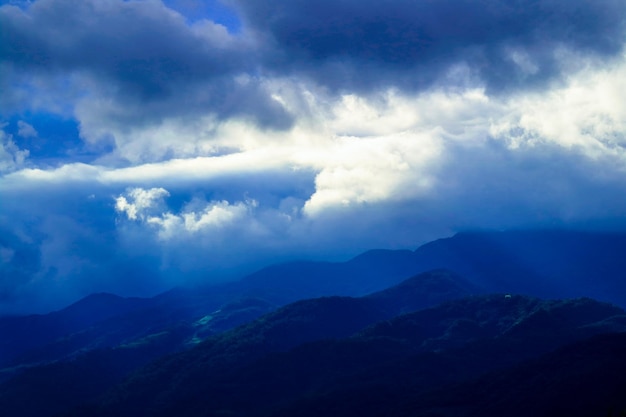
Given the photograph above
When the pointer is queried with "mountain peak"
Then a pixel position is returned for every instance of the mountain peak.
(424, 290)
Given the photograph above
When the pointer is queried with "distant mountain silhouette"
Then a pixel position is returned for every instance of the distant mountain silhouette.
(371, 271)
(19, 334)
(125, 333)
(549, 264)
(106, 320)
(542, 263)
(289, 326)
(423, 290)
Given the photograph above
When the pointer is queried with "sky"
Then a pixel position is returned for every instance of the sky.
(147, 144)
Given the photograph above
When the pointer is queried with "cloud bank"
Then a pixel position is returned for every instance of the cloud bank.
(145, 145)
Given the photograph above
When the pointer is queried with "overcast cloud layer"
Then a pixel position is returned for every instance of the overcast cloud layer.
(146, 144)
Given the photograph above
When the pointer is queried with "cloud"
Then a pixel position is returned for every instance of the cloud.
(375, 170)
(362, 46)
(586, 114)
(141, 46)
(65, 245)
(140, 201)
(390, 146)
(25, 130)
(217, 214)
(119, 65)
(11, 156)
(206, 239)
(143, 205)
(152, 84)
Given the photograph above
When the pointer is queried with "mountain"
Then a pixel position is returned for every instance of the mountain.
(106, 320)
(369, 272)
(543, 263)
(546, 264)
(19, 334)
(582, 379)
(29, 393)
(301, 360)
(423, 290)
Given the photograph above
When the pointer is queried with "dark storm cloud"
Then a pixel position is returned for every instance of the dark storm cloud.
(138, 52)
(350, 44)
(142, 46)
(151, 63)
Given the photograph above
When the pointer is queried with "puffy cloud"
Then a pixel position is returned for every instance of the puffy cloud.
(375, 170)
(146, 205)
(586, 113)
(143, 77)
(216, 215)
(209, 239)
(390, 146)
(141, 201)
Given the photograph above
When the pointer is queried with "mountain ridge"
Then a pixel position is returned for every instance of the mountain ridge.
(547, 264)
(320, 316)
(426, 339)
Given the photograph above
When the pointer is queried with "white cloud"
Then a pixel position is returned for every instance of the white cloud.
(138, 201)
(586, 115)
(147, 206)
(376, 169)
(214, 216)
(370, 149)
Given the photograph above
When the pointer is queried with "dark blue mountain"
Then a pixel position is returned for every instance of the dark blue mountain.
(542, 263)
(29, 393)
(586, 378)
(105, 320)
(422, 291)
(549, 264)
(371, 271)
(301, 360)
(20, 334)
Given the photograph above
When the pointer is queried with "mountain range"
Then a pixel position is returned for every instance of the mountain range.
(431, 332)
